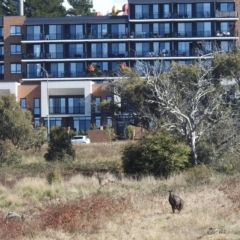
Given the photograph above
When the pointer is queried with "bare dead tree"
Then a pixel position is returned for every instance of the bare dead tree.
(186, 99)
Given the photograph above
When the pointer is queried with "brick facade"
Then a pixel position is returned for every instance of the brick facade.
(237, 24)
(29, 92)
(8, 40)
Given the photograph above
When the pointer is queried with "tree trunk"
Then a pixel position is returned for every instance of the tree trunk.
(193, 146)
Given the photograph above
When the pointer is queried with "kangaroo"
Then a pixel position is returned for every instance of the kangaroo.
(175, 201)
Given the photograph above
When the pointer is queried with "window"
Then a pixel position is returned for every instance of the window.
(142, 49)
(56, 69)
(97, 102)
(203, 10)
(23, 103)
(75, 50)
(142, 30)
(155, 11)
(118, 30)
(55, 50)
(227, 46)
(76, 31)
(162, 48)
(162, 29)
(99, 50)
(1, 72)
(55, 32)
(204, 29)
(15, 30)
(36, 122)
(109, 121)
(118, 50)
(98, 30)
(183, 48)
(16, 68)
(16, 48)
(109, 98)
(53, 122)
(166, 10)
(76, 69)
(34, 32)
(57, 105)
(36, 106)
(227, 7)
(81, 123)
(184, 30)
(226, 28)
(1, 34)
(34, 70)
(184, 10)
(76, 105)
(142, 11)
(98, 122)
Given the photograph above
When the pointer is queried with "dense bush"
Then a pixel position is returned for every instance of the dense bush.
(9, 154)
(60, 146)
(159, 154)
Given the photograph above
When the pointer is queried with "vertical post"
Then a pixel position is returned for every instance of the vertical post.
(48, 122)
(48, 127)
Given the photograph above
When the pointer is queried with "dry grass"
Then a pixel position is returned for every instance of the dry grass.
(100, 206)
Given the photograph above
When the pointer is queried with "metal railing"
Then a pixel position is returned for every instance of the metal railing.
(185, 14)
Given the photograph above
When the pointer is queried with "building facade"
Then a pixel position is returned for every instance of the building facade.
(59, 67)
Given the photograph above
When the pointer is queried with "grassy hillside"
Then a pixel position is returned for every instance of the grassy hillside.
(88, 200)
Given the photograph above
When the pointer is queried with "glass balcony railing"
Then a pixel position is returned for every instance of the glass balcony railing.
(184, 14)
(53, 55)
(55, 74)
(221, 14)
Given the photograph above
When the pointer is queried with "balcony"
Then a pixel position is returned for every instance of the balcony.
(108, 54)
(231, 14)
(184, 14)
(55, 74)
(52, 55)
(67, 110)
(54, 36)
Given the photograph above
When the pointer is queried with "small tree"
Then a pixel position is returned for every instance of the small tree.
(109, 131)
(16, 123)
(130, 131)
(159, 154)
(60, 146)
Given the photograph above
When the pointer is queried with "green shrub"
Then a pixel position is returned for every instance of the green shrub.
(9, 154)
(110, 132)
(130, 131)
(60, 146)
(159, 154)
(53, 177)
(205, 152)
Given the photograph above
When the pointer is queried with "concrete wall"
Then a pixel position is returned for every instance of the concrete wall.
(9, 87)
(66, 88)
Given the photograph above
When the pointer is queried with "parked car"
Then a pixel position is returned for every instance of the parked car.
(80, 139)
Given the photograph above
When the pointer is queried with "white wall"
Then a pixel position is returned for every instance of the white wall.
(66, 88)
(12, 87)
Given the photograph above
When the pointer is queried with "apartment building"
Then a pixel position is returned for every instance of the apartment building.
(60, 66)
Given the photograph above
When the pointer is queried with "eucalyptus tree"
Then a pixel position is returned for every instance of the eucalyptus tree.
(186, 99)
(8, 7)
(44, 8)
(81, 7)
